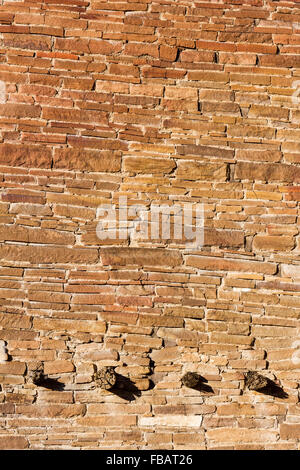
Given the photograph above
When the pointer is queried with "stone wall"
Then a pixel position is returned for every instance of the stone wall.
(166, 101)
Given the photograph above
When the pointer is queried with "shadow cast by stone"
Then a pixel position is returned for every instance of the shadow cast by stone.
(196, 382)
(125, 388)
(51, 384)
(258, 383)
(37, 377)
(203, 388)
(273, 390)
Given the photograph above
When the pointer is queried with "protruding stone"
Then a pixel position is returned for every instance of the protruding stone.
(255, 381)
(36, 375)
(105, 377)
(191, 379)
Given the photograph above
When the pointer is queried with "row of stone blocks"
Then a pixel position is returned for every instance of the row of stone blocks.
(106, 378)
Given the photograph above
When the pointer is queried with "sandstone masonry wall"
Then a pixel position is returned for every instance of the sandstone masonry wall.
(172, 101)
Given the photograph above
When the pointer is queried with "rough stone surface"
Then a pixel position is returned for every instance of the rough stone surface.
(163, 103)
